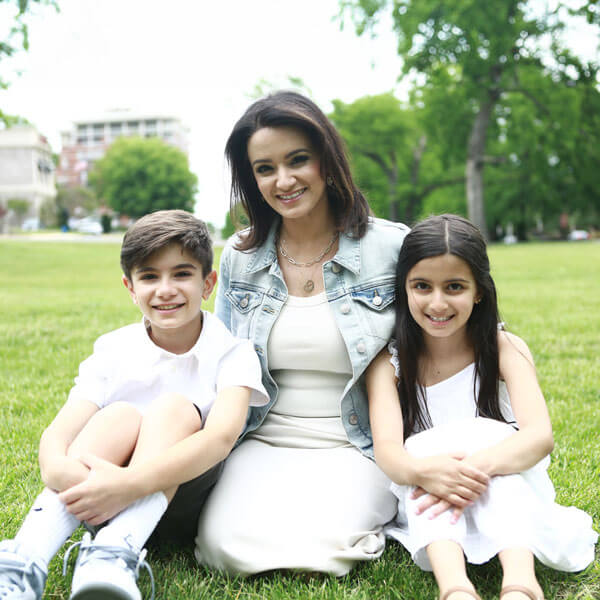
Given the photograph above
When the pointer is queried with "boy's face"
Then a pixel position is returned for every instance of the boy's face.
(169, 288)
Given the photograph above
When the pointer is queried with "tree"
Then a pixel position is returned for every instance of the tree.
(137, 176)
(488, 44)
(393, 160)
(76, 200)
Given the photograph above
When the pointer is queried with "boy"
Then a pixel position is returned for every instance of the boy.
(141, 400)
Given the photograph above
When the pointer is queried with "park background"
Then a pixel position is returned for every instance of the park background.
(412, 96)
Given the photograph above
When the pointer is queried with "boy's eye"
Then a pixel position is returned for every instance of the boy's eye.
(147, 276)
(183, 274)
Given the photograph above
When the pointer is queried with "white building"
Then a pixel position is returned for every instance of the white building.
(88, 139)
(26, 169)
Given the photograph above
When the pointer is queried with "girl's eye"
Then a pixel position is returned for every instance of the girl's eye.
(455, 287)
(421, 285)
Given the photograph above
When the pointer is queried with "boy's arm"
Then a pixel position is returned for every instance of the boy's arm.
(58, 470)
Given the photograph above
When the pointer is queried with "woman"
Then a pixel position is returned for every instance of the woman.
(311, 282)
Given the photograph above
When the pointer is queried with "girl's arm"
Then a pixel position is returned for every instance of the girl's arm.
(534, 438)
(58, 470)
(445, 476)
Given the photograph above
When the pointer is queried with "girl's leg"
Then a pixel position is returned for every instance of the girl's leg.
(518, 569)
(170, 419)
(448, 563)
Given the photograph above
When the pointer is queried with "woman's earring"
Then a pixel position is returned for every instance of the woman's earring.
(329, 180)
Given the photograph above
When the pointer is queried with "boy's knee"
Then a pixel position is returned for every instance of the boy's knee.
(174, 407)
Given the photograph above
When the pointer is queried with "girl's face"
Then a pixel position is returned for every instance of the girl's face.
(441, 294)
(287, 171)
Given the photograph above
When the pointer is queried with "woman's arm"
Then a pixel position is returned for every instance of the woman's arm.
(445, 476)
(534, 438)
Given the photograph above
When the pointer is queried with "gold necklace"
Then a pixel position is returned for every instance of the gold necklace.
(309, 285)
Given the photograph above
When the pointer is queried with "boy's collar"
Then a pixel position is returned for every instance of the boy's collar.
(157, 351)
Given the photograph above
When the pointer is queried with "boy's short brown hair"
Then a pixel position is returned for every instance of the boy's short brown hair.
(157, 230)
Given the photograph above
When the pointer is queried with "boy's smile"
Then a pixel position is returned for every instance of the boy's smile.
(169, 288)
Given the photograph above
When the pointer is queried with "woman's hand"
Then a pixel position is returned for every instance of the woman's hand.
(106, 492)
(451, 478)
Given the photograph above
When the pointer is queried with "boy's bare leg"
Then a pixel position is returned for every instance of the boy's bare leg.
(448, 563)
(170, 419)
(519, 569)
(111, 433)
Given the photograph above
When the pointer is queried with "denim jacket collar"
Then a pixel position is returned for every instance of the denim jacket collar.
(347, 256)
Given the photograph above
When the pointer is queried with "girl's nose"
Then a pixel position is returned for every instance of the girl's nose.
(437, 301)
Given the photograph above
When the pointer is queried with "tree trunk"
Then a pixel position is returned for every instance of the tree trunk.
(475, 163)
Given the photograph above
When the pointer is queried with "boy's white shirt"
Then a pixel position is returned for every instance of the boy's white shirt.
(128, 366)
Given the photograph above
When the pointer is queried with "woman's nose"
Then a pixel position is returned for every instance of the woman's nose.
(285, 179)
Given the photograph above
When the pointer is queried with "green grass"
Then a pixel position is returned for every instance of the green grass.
(58, 297)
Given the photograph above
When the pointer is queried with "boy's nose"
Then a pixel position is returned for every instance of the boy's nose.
(166, 288)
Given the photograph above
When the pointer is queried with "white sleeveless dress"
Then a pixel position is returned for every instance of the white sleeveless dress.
(295, 493)
(515, 510)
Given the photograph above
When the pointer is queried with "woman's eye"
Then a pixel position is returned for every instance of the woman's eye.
(263, 169)
(300, 159)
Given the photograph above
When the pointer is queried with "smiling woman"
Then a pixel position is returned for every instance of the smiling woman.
(310, 282)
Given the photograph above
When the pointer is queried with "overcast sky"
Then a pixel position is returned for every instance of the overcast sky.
(196, 59)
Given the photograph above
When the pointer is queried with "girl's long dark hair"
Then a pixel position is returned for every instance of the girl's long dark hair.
(290, 109)
(435, 236)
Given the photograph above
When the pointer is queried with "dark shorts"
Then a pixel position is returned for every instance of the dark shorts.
(179, 524)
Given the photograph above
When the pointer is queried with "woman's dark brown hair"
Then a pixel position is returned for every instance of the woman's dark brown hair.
(290, 109)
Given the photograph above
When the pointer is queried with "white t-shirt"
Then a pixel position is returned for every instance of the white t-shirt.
(128, 366)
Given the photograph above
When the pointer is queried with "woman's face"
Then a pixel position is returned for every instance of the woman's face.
(288, 172)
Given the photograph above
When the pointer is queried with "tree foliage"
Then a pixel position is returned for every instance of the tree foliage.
(489, 49)
(393, 158)
(137, 176)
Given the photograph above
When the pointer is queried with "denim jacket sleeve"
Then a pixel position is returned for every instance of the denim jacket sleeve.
(222, 305)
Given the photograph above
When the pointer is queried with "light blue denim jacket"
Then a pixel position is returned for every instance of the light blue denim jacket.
(359, 282)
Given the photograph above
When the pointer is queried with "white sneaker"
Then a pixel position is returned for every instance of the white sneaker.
(21, 577)
(106, 572)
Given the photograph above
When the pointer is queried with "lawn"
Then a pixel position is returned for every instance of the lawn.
(58, 297)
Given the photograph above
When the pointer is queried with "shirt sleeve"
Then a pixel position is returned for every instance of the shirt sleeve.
(240, 367)
(91, 383)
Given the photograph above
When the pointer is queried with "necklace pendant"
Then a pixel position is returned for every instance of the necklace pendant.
(309, 286)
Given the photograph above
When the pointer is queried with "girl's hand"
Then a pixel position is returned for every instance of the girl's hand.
(436, 506)
(451, 478)
(106, 492)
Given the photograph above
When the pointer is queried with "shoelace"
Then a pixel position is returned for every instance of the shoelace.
(16, 570)
(108, 553)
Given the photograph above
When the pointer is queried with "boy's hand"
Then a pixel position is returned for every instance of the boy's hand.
(106, 492)
(64, 472)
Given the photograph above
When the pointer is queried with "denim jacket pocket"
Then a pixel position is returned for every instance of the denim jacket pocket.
(244, 300)
(376, 300)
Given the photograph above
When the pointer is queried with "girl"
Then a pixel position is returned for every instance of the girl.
(463, 396)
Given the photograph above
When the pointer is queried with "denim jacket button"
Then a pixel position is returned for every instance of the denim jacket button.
(361, 348)
(336, 268)
(377, 300)
(244, 302)
(353, 419)
(345, 309)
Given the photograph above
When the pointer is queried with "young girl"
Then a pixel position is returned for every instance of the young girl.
(457, 406)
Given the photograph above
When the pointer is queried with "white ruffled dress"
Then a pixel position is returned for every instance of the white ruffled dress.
(515, 510)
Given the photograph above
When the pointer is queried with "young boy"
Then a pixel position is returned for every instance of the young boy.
(141, 439)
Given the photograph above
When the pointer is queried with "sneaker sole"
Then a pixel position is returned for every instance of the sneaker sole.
(104, 592)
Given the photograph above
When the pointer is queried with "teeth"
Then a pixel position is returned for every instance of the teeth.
(439, 319)
(290, 196)
(167, 306)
